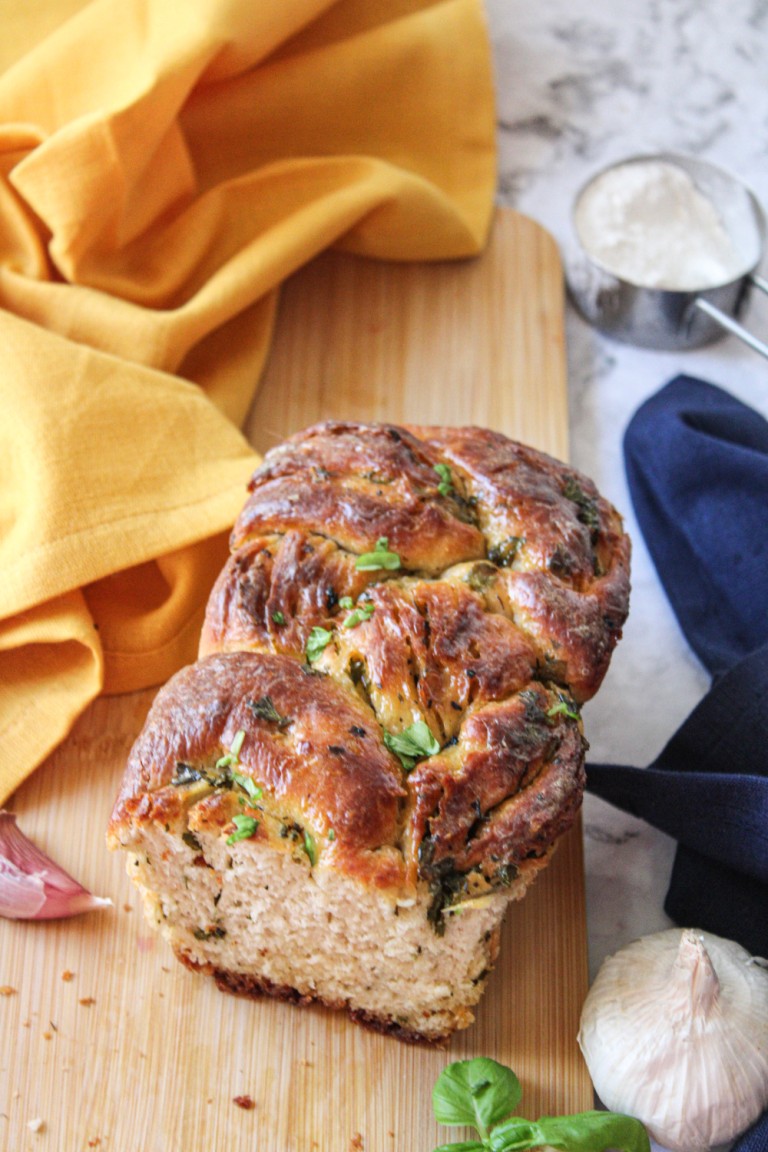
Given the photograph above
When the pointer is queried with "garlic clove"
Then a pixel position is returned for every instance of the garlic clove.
(32, 886)
(674, 1031)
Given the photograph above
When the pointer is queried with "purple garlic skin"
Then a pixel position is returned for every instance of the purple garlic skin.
(34, 887)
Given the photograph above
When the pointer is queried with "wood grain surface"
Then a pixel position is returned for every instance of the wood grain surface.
(107, 1042)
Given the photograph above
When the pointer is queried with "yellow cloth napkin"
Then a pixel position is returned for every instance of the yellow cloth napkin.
(163, 167)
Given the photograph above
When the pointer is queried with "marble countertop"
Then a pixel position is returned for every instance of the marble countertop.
(581, 85)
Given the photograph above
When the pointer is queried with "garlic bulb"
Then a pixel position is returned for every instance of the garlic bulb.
(674, 1031)
(32, 886)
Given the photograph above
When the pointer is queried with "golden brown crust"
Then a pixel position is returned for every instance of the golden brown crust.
(320, 762)
(556, 539)
(504, 794)
(275, 589)
(573, 633)
(550, 553)
(355, 484)
(499, 617)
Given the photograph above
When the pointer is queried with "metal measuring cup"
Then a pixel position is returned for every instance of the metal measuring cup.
(668, 319)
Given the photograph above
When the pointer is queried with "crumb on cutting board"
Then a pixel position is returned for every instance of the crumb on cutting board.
(245, 1102)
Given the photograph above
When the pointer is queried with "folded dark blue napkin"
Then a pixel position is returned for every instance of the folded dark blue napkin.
(697, 465)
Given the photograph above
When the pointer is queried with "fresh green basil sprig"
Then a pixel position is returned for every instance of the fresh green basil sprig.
(482, 1093)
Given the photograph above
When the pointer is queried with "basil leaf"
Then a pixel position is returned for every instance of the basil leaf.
(264, 709)
(564, 707)
(515, 1135)
(360, 614)
(318, 641)
(413, 744)
(445, 487)
(480, 1092)
(463, 1146)
(504, 553)
(310, 847)
(248, 785)
(186, 774)
(216, 932)
(381, 557)
(588, 511)
(592, 1132)
(245, 828)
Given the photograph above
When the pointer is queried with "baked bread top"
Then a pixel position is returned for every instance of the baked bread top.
(468, 512)
(398, 646)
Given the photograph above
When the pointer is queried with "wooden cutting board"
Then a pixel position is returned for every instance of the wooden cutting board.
(106, 1039)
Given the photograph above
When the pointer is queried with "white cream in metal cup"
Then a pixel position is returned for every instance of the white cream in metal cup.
(672, 319)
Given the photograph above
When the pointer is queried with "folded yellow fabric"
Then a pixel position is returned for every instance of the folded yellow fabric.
(163, 168)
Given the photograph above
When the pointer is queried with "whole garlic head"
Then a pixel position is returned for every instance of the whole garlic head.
(674, 1031)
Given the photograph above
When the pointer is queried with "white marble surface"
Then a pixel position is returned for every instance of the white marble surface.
(580, 85)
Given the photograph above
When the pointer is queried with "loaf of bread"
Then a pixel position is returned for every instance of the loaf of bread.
(380, 743)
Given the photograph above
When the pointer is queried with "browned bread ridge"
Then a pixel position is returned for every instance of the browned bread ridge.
(381, 741)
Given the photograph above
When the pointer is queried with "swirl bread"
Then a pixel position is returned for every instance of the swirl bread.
(380, 743)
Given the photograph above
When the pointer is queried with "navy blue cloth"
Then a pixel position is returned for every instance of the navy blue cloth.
(697, 466)
(756, 1139)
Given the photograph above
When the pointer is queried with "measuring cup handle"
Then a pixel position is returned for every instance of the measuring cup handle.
(726, 321)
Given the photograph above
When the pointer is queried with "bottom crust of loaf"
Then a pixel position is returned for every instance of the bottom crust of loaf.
(254, 987)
